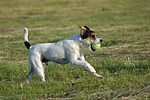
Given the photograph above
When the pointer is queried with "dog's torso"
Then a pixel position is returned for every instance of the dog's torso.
(60, 52)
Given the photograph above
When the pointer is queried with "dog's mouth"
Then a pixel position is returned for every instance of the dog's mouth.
(92, 48)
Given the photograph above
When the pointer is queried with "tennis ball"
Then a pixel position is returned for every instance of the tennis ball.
(96, 46)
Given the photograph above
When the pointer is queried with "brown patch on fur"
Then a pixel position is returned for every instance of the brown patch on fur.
(83, 30)
(95, 34)
(92, 37)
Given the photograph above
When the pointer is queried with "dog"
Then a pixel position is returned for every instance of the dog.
(62, 52)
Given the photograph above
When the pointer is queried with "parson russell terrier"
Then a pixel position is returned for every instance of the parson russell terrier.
(62, 52)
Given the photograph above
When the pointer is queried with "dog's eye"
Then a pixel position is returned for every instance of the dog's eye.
(93, 36)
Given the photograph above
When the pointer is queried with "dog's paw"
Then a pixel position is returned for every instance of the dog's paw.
(46, 63)
(27, 80)
(97, 75)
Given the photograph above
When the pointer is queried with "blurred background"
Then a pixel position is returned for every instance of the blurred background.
(123, 60)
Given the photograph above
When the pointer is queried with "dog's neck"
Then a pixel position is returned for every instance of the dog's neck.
(77, 38)
(82, 42)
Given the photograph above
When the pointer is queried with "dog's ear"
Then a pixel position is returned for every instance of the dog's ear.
(87, 28)
(83, 30)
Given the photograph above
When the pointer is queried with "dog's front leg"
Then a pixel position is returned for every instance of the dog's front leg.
(86, 65)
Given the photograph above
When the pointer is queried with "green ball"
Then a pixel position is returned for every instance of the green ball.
(96, 46)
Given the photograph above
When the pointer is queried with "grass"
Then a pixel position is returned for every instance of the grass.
(123, 60)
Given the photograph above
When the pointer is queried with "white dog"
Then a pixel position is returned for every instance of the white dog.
(66, 51)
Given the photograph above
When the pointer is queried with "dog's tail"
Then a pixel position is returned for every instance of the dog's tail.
(25, 38)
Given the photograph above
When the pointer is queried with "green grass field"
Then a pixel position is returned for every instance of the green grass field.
(123, 60)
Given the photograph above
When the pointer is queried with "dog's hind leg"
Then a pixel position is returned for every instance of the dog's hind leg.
(30, 74)
(36, 67)
(39, 68)
(40, 72)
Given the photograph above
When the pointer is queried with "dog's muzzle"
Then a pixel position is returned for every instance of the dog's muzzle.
(101, 40)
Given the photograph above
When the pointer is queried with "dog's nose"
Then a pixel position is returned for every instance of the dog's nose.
(101, 40)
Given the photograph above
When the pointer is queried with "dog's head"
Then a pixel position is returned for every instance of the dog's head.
(89, 37)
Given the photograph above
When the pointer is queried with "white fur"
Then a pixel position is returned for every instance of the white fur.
(66, 51)
(25, 35)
